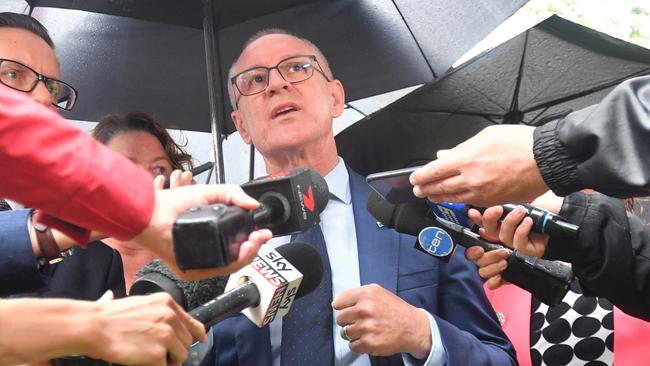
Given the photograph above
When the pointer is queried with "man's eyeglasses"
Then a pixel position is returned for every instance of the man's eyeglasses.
(22, 78)
(293, 69)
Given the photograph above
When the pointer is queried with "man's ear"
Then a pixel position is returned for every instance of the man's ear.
(338, 98)
(241, 127)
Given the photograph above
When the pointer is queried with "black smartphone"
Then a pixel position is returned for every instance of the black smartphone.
(394, 185)
(196, 171)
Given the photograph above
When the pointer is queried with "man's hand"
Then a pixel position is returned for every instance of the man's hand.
(490, 264)
(494, 167)
(515, 229)
(380, 323)
(171, 203)
(142, 330)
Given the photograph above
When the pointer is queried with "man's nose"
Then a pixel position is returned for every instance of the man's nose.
(276, 82)
(42, 95)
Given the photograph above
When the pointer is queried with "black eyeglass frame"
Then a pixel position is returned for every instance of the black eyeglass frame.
(268, 70)
(40, 77)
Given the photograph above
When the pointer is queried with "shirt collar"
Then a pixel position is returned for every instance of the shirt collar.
(338, 182)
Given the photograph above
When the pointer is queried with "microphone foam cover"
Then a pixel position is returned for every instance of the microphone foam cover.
(195, 293)
(307, 261)
(380, 209)
(321, 191)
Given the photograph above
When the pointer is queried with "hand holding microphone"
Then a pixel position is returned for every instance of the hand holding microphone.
(514, 228)
(208, 236)
(548, 280)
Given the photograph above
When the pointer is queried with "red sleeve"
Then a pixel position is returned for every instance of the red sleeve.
(49, 164)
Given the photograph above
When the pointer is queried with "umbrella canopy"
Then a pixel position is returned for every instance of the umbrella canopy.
(546, 72)
(125, 55)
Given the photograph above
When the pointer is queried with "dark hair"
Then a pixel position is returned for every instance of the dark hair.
(115, 124)
(25, 22)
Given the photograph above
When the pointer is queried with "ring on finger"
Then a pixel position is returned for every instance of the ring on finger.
(344, 333)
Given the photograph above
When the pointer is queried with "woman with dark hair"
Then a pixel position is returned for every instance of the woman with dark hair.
(118, 126)
(143, 140)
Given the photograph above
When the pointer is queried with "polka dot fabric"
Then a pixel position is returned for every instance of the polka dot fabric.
(578, 331)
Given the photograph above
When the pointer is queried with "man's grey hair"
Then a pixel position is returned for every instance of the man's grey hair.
(322, 61)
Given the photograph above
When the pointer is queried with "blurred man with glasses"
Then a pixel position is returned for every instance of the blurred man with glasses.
(28, 64)
(383, 302)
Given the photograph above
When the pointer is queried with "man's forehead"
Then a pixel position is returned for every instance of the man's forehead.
(29, 49)
(270, 49)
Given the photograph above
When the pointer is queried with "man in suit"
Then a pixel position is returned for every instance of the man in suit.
(390, 304)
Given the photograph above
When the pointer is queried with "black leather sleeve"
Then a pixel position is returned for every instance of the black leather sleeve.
(604, 147)
(611, 256)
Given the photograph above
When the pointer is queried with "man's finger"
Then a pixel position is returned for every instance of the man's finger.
(433, 171)
(346, 299)
(494, 269)
(509, 225)
(491, 217)
(521, 239)
(492, 257)
(495, 282)
(474, 253)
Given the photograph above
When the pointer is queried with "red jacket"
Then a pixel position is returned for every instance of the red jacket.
(49, 164)
(631, 335)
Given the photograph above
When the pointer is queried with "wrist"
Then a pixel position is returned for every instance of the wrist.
(44, 243)
(87, 338)
(422, 341)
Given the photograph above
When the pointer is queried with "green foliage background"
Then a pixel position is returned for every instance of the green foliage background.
(628, 20)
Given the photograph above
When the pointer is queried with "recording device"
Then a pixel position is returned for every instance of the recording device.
(547, 280)
(209, 236)
(394, 186)
(196, 171)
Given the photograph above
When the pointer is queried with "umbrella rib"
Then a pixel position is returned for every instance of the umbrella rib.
(348, 105)
(532, 121)
(426, 60)
(586, 92)
(515, 97)
(487, 116)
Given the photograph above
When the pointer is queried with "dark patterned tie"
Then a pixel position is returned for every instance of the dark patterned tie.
(307, 328)
(4, 206)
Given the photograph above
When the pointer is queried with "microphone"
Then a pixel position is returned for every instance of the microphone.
(290, 202)
(155, 276)
(544, 222)
(549, 281)
(264, 290)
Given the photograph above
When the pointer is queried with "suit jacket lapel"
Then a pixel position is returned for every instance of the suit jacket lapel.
(377, 246)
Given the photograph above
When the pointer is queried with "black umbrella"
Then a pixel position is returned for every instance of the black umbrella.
(546, 72)
(170, 57)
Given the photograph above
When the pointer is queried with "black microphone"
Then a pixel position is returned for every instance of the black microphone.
(209, 236)
(547, 280)
(544, 221)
